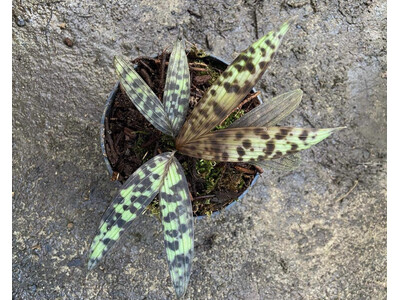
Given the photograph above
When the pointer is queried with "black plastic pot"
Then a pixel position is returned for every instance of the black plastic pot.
(217, 62)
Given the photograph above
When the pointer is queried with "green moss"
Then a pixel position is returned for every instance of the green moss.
(208, 213)
(195, 56)
(154, 208)
(232, 118)
(241, 184)
(206, 169)
(196, 53)
(137, 146)
(211, 173)
(233, 181)
(185, 166)
(167, 142)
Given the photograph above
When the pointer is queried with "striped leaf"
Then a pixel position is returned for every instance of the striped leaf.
(142, 96)
(251, 144)
(232, 86)
(177, 87)
(136, 193)
(271, 112)
(177, 220)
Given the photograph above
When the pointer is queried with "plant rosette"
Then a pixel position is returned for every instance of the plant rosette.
(200, 128)
(213, 185)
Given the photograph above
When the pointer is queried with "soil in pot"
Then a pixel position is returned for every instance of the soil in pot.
(130, 140)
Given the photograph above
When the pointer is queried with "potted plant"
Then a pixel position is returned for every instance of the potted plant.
(128, 140)
(252, 139)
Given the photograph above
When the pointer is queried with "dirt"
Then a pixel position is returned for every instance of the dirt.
(130, 140)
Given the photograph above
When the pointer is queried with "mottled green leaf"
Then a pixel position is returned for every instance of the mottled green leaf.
(271, 111)
(232, 86)
(177, 87)
(177, 220)
(134, 196)
(142, 96)
(252, 144)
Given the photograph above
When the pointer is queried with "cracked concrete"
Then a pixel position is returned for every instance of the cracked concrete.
(294, 236)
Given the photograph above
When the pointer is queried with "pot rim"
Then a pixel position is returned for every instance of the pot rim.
(110, 100)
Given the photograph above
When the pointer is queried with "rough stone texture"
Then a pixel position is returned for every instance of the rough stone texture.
(295, 236)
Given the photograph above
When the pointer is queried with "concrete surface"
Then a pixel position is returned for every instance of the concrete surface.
(316, 233)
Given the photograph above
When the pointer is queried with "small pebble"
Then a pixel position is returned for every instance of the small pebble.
(33, 288)
(20, 22)
(70, 225)
(62, 26)
(37, 247)
(68, 42)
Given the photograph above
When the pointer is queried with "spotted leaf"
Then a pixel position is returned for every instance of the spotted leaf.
(142, 96)
(232, 86)
(177, 220)
(268, 114)
(271, 111)
(134, 196)
(251, 144)
(177, 87)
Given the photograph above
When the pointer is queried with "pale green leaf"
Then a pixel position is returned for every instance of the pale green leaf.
(134, 196)
(177, 220)
(177, 87)
(142, 96)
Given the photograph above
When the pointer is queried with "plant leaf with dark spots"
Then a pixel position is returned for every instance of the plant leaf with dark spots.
(232, 86)
(142, 96)
(271, 111)
(177, 220)
(251, 144)
(134, 196)
(177, 87)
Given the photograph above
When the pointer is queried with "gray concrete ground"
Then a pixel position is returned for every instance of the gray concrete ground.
(316, 233)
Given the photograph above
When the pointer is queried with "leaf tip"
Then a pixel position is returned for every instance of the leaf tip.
(297, 94)
(330, 131)
(291, 20)
(180, 34)
(180, 291)
(115, 59)
(91, 264)
(298, 91)
(287, 24)
(339, 128)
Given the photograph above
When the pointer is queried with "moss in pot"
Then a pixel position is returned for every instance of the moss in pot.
(251, 139)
